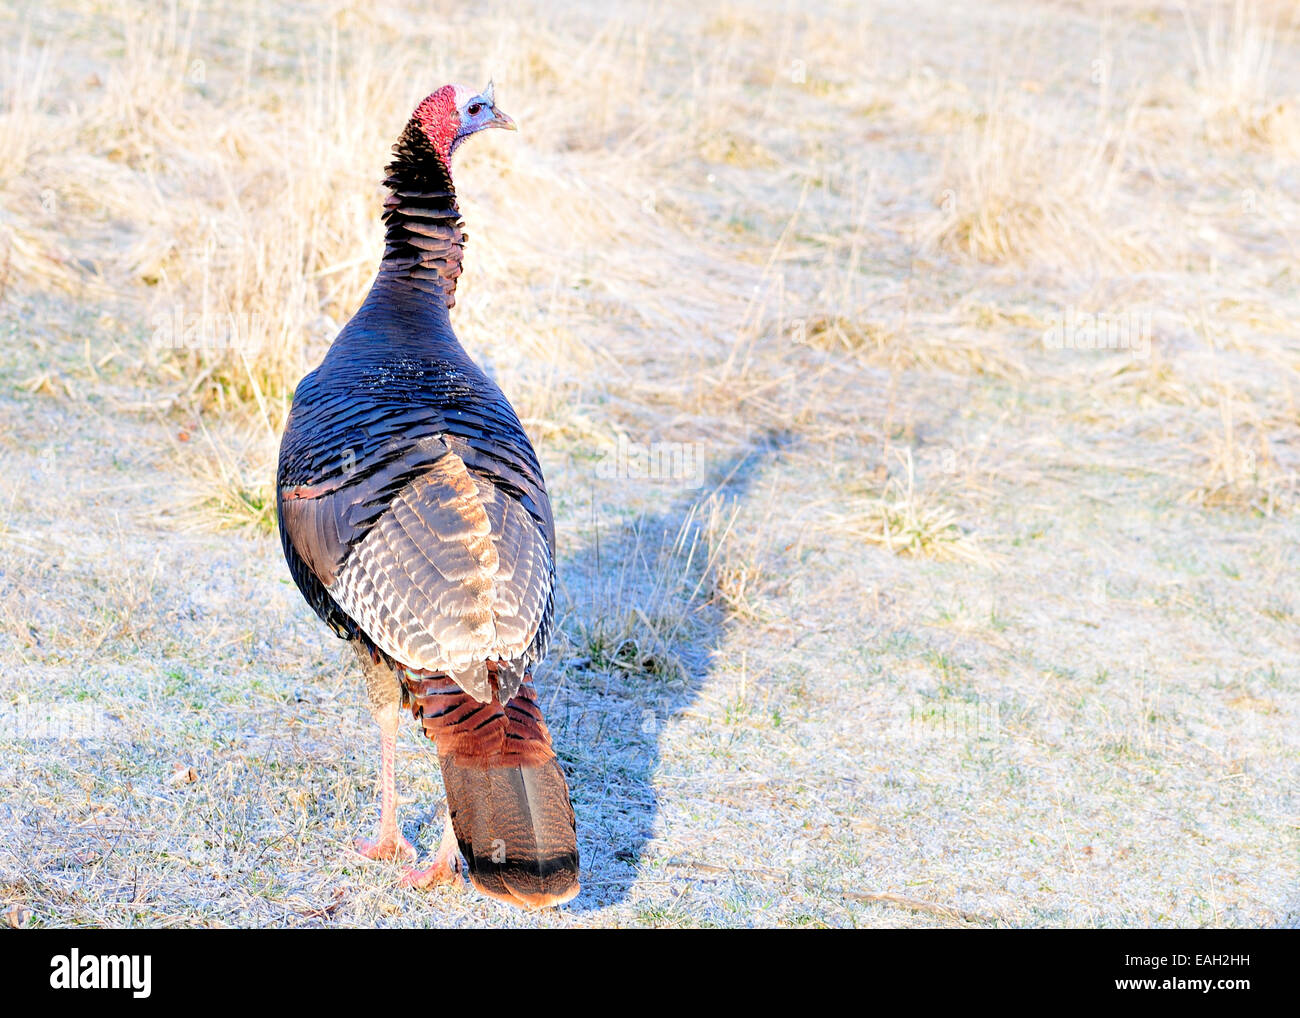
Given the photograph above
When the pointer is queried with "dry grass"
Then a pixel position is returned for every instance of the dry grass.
(1233, 82)
(1240, 469)
(1018, 189)
(230, 484)
(956, 626)
(909, 522)
(928, 342)
(647, 598)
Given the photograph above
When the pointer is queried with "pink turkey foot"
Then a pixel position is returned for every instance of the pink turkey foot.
(445, 868)
(388, 846)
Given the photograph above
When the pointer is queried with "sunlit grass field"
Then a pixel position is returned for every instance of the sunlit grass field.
(916, 386)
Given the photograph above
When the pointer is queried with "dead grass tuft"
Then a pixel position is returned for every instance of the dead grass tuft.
(1018, 190)
(1232, 86)
(909, 522)
(229, 481)
(926, 342)
(649, 628)
(1239, 469)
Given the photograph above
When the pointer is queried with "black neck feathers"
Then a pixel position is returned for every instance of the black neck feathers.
(424, 242)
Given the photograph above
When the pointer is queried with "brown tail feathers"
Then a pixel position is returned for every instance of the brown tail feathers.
(508, 800)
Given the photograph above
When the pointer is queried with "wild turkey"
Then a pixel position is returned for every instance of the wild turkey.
(415, 521)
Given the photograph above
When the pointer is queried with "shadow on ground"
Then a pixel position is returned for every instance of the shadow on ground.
(639, 638)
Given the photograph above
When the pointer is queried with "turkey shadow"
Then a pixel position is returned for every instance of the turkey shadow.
(639, 634)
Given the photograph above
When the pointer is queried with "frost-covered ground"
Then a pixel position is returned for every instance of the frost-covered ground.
(951, 625)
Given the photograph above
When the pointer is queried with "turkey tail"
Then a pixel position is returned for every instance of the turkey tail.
(515, 829)
(506, 794)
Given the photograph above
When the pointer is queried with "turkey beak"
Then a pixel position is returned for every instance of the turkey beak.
(499, 119)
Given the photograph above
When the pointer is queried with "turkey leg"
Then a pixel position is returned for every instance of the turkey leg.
(388, 843)
(446, 864)
(385, 695)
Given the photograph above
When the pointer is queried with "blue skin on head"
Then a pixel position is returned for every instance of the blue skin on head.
(477, 111)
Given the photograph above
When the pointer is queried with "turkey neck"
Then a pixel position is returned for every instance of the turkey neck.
(424, 242)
